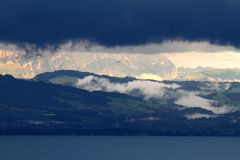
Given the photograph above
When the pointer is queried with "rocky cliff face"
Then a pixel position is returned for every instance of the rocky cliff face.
(156, 67)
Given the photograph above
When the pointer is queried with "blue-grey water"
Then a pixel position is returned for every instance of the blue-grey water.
(118, 148)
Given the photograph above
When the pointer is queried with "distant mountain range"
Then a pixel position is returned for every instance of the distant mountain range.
(155, 67)
(70, 102)
(208, 74)
(136, 65)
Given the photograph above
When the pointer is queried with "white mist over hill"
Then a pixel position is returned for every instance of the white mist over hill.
(159, 91)
(147, 89)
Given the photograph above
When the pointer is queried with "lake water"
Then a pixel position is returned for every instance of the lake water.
(118, 148)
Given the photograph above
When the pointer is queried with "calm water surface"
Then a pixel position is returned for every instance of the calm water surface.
(118, 148)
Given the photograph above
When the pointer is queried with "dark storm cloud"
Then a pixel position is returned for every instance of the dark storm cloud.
(119, 22)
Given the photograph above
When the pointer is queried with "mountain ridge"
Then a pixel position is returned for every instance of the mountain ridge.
(118, 65)
(35, 107)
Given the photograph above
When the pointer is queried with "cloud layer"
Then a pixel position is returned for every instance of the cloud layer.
(147, 89)
(192, 100)
(119, 22)
(198, 116)
(157, 91)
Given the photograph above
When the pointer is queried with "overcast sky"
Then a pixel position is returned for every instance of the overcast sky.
(119, 22)
(190, 32)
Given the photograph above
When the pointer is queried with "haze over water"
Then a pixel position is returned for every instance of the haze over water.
(118, 148)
